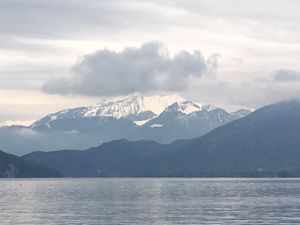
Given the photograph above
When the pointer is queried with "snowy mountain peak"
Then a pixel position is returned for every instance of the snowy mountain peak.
(185, 107)
(132, 105)
(137, 108)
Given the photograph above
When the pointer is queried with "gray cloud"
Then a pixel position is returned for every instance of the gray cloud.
(145, 69)
(284, 75)
(63, 19)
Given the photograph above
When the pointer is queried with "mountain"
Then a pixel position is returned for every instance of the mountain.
(186, 120)
(159, 118)
(116, 158)
(265, 143)
(14, 166)
(136, 108)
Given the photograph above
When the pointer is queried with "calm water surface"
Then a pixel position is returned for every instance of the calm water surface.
(149, 201)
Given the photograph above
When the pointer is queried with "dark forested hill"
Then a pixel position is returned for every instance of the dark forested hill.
(14, 166)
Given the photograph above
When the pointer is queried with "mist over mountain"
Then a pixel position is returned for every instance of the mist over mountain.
(264, 143)
(135, 117)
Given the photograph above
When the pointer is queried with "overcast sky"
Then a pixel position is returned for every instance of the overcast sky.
(64, 53)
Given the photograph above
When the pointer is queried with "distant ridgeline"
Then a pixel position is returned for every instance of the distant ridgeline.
(264, 143)
(158, 118)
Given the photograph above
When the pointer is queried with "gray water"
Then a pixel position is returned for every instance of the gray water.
(150, 201)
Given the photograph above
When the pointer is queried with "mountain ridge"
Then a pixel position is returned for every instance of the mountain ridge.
(263, 144)
(172, 117)
(129, 107)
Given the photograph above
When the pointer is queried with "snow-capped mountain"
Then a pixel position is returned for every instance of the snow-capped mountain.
(135, 117)
(185, 107)
(185, 120)
(137, 108)
(132, 105)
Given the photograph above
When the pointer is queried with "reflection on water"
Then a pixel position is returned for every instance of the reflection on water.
(150, 201)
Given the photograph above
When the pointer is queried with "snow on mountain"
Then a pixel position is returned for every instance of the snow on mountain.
(64, 114)
(156, 125)
(185, 107)
(16, 123)
(139, 109)
(132, 105)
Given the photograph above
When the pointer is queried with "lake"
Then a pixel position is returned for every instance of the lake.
(149, 201)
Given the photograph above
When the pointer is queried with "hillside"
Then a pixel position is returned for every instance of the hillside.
(13, 166)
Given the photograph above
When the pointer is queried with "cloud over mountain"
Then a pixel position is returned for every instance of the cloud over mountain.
(144, 69)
